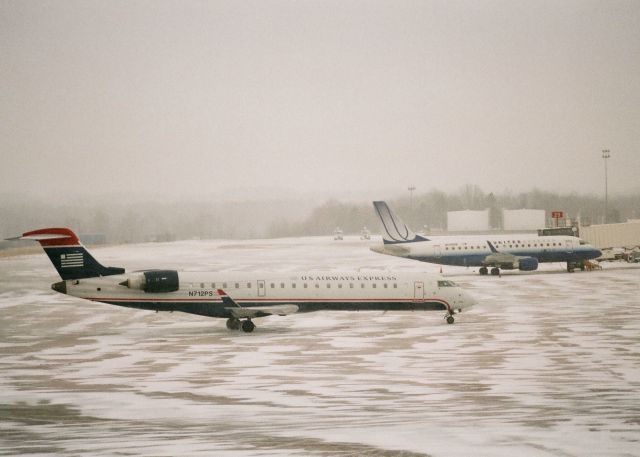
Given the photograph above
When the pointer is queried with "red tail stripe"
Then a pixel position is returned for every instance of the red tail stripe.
(67, 237)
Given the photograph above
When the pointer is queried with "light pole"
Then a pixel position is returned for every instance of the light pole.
(605, 155)
(411, 188)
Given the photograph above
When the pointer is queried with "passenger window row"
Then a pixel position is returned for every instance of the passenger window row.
(502, 245)
(282, 285)
(338, 286)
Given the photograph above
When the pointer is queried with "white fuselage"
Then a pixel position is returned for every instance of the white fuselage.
(198, 292)
(472, 250)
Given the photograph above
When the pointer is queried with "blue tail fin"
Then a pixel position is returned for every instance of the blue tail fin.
(68, 255)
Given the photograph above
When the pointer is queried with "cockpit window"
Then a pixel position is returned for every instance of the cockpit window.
(446, 284)
(583, 242)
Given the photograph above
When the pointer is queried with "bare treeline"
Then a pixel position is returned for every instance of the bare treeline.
(122, 221)
(429, 210)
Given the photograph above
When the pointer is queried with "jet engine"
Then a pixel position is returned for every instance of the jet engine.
(154, 281)
(527, 263)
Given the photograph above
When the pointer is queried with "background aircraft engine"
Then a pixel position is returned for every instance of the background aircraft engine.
(154, 281)
(528, 264)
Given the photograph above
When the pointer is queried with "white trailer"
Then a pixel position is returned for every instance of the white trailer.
(523, 219)
(624, 235)
(468, 221)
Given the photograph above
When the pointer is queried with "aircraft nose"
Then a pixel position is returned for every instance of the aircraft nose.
(60, 287)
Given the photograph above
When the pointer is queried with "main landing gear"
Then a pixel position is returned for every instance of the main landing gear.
(495, 271)
(247, 325)
(571, 266)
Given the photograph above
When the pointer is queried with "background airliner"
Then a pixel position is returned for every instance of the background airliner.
(240, 297)
(509, 252)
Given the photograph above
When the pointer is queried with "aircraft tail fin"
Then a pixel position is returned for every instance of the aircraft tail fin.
(68, 255)
(395, 231)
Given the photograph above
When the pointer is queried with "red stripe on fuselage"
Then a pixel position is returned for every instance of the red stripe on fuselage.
(269, 300)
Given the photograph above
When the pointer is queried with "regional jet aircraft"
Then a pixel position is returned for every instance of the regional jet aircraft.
(241, 297)
(509, 252)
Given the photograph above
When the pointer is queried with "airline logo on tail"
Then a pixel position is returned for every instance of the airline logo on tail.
(67, 254)
(72, 260)
(395, 231)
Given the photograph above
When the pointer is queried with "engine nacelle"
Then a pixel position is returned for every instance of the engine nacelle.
(527, 263)
(154, 281)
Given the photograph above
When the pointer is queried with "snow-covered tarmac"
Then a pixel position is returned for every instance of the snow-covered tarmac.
(547, 364)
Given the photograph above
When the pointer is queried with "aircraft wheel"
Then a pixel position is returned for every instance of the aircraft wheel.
(483, 271)
(495, 271)
(248, 326)
(450, 319)
(233, 323)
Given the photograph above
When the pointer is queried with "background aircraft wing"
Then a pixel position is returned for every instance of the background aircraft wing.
(508, 261)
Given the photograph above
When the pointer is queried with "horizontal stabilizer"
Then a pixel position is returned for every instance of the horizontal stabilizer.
(38, 237)
(58, 236)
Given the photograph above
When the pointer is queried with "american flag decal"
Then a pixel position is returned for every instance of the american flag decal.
(72, 260)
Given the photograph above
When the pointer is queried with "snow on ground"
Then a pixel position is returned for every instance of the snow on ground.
(547, 364)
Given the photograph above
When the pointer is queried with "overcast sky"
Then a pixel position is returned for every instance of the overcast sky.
(325, 97)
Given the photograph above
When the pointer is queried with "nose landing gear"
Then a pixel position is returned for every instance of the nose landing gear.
(449, 316)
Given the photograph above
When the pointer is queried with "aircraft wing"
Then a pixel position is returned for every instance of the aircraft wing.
(262, 311)
(499, 259)
(255, 311)
(506, 263)
(492, 247)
